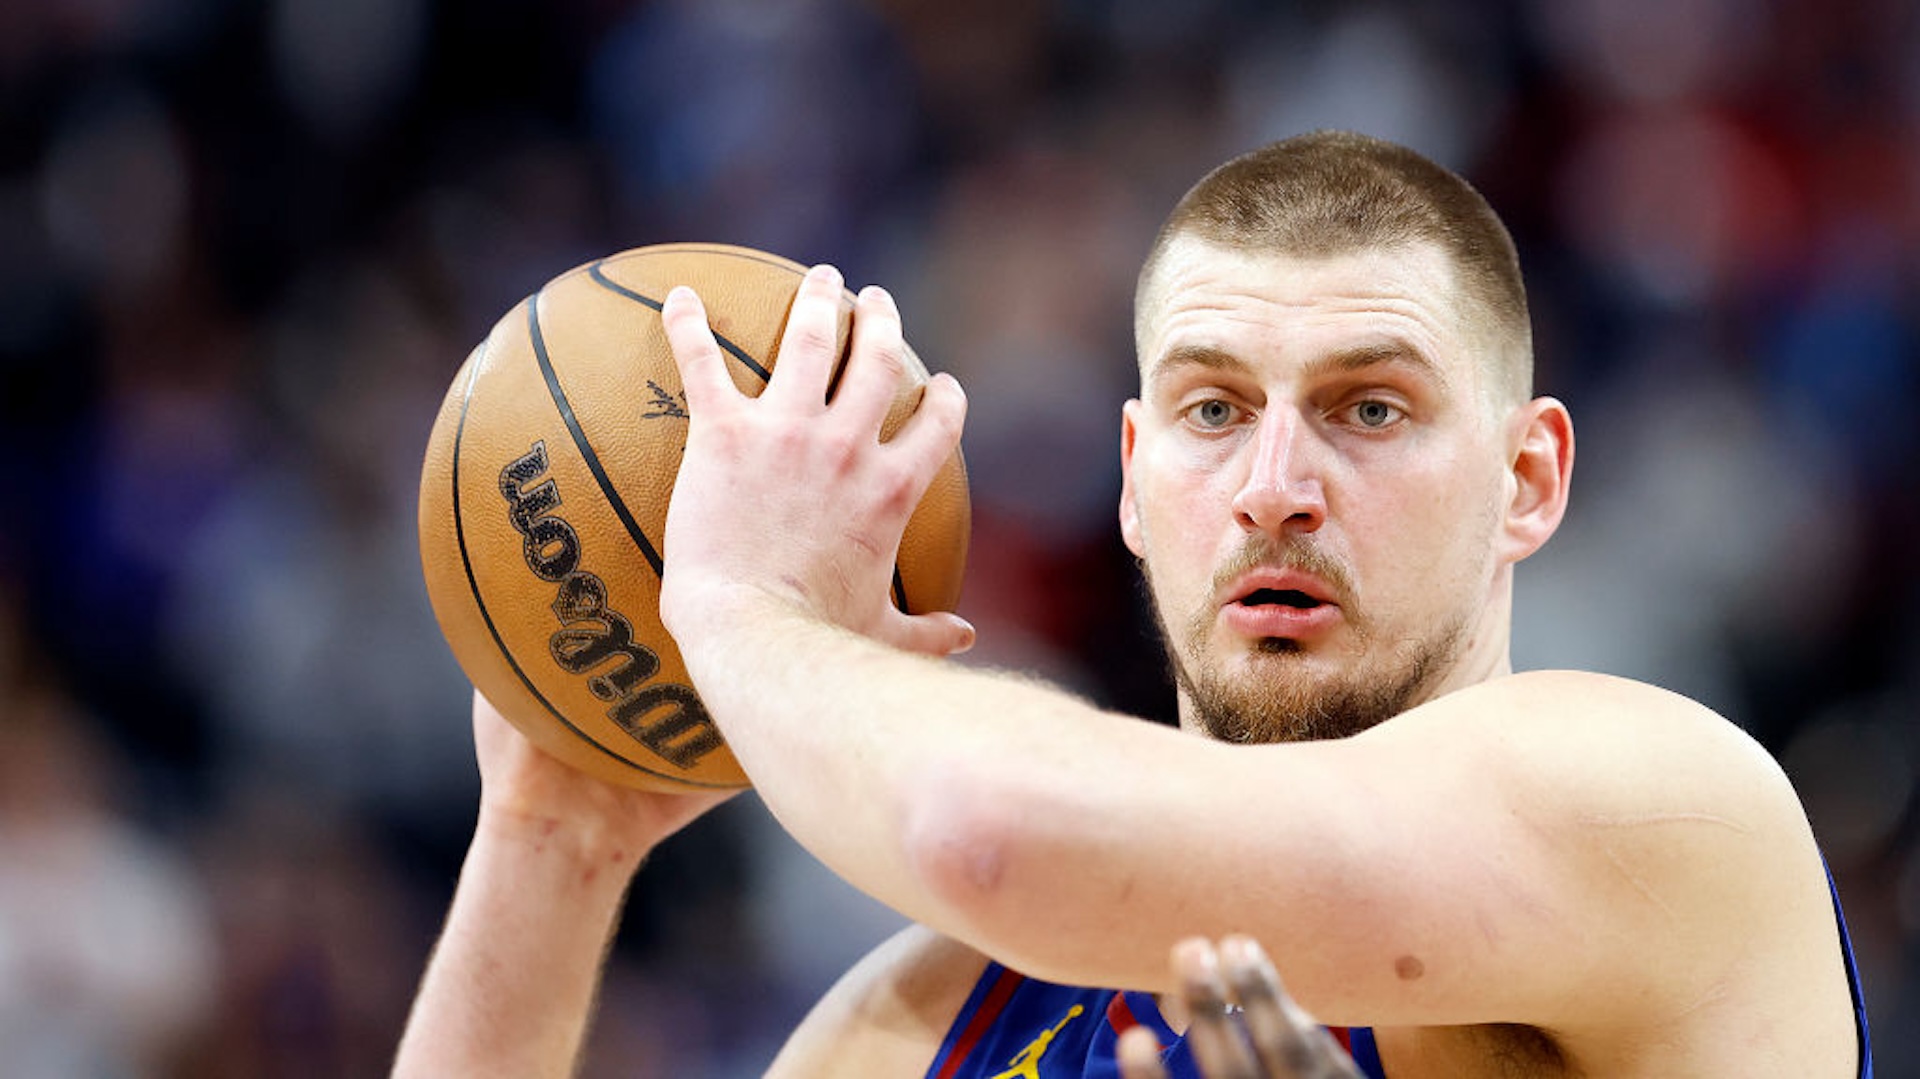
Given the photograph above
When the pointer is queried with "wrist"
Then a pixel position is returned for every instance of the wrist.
(730, 616)
(570, 850)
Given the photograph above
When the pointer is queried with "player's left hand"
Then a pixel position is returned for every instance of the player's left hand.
(1271, 1038)
(790, 497)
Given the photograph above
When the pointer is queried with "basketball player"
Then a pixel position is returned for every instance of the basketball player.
(1334, 464)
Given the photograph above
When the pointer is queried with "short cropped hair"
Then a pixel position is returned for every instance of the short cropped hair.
(1334, 193)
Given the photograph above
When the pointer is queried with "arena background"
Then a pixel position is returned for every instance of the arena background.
(243, 247)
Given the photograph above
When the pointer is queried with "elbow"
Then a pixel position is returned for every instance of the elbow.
(963, 837)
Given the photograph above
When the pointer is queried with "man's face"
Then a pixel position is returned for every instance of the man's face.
(1315, 475)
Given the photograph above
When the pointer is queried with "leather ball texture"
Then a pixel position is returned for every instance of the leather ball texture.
(543, 499)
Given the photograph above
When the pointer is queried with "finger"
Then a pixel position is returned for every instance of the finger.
(1139, 1054)
(703, 370)
(1287, 1041)
(1217, 1045)
(941, 633)
(1277, 1039)
(1333, 1060)
(810, 346)
(930, 435)
(484, 713)
(875, 363)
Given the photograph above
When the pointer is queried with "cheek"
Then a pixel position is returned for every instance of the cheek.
(1453, 553)
(1181, 511)
(1168, 483)
(1167, 528)
(1430, 537)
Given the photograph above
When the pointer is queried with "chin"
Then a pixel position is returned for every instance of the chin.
(1281, 691)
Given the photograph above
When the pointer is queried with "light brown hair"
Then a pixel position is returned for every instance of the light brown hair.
(1333, 193)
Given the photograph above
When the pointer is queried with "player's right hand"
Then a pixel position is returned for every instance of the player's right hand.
(1272, 1038)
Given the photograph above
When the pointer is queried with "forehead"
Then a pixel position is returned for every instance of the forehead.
(1262, 305)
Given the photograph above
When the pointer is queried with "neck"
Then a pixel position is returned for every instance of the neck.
(1487, 653)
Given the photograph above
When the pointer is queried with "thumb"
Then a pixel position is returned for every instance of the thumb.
(941, 633)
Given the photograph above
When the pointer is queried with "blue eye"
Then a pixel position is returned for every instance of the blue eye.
(1374, 413)
(1213, 413)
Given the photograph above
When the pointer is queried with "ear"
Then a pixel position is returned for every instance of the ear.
(1129, 509)
(1540, 471)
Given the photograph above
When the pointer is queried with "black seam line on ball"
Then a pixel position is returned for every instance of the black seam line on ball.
(466, 562)
(599, 277)
(738, 353)
(587, 454)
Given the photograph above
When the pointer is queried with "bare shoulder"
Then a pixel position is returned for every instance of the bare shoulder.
(1637, 773)
(1670, 828)
(1621, 741)
(888, 1014)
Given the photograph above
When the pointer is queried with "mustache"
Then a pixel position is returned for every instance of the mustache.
(1295, 553)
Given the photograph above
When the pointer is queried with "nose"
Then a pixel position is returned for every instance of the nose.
(1282, 491)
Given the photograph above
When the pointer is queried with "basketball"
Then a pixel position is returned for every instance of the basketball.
(544, 494)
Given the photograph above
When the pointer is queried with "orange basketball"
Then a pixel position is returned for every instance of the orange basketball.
(544, 496)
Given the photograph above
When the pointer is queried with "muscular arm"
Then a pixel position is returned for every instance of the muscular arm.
(1510, 852)
(1498, 854)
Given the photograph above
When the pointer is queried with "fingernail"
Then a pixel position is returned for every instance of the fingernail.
(966, 642)
(1199, 963)
(679, 295)
(1239, 949)
(876, 294)
(825, 274)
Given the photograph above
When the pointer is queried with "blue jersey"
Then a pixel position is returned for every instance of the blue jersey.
(1853, 984)
(1015, 1027)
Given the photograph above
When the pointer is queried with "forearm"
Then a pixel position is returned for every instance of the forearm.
(1013, 817)
(916, 779)
(510, 988)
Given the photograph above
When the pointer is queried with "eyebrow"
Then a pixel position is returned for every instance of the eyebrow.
(1342, 361)
(1183, 356)
(1361, 357)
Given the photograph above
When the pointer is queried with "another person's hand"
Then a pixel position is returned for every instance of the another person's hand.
(1271, 1038)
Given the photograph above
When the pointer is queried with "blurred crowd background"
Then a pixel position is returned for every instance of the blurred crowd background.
(244, 245)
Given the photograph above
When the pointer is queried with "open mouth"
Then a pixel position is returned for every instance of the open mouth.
(1271, 597)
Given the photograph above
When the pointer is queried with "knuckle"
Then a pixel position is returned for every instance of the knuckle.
(890, 356)
(791, 442)
(897, 486)
(811, 337)
(841, 447)
(944, 407)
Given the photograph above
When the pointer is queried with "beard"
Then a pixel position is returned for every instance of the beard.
(1281, 702)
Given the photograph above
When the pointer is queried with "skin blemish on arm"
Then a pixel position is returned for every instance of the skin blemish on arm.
(1645, 819)
(1409, 968)
(1629, 872)
(1635, 880)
